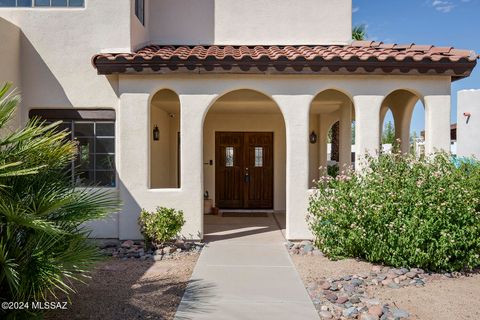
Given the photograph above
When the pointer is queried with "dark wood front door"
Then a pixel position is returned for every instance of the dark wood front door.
(244, 170)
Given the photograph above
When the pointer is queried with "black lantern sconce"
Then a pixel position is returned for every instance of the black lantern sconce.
(156, 133)
(313, 137)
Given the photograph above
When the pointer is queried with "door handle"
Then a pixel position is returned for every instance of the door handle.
(247, 176)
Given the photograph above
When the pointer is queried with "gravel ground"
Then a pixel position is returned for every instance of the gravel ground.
(445, 299)
(131, 289)
(440, 298)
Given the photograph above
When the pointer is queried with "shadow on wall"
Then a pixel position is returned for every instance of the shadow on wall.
(40, 87)
(128, 227)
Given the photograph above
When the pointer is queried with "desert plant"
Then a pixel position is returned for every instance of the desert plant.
(402, 212)
(161, 226)
(43, 246)
(359, 32)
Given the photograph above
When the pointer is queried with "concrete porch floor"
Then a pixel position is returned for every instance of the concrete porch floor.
(245, 272)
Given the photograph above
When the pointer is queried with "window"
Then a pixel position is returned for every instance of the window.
(94, 132)
(229, 157)
(42, 3)
(140, 10)
(258, 156)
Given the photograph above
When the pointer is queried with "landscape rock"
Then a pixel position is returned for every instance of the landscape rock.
(354, 299)
(375, 310)
(399, 313)
(127, 244)
(368, 316)
(325, 315)
(342, 299)
(325, 285)
(350, 312)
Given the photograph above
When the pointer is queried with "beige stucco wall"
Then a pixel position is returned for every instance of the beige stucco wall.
(139, 33)
(10, 53)
(248, 123)
(250, 22)
(56, 49)
(10, 59)
(468, 132)
(292, 94)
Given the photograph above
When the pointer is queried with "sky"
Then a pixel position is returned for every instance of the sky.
(454, 23)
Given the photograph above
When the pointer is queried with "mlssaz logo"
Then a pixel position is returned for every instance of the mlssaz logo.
(49, 305)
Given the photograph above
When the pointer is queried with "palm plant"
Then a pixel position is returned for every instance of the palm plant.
(43, 246)
(359, 33)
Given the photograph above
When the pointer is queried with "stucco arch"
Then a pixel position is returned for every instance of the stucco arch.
(164, 113)
(401, 102)
(227, 91)
(245, 110)
(338, 89)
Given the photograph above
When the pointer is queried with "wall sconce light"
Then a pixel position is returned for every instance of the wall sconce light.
(313, 137)
(156, 133)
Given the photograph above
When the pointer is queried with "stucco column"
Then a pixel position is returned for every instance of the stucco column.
(133, 160)
(295, 111)
(367, 127)
(402, 110)
(437, 123)
(402, 118)
(345, 136)
(193, 109)
(323, 142)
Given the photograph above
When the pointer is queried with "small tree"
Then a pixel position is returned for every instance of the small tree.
(388, 136)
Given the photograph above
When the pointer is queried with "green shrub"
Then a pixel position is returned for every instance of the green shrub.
(333, 170)
(162, 225)
(401, 212)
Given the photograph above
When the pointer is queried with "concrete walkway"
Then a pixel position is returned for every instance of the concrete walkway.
(245, 272)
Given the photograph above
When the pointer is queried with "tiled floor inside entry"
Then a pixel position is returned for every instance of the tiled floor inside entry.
(245, 272)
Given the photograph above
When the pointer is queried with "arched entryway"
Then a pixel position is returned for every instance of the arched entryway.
(397, 109)
(331, 119)
(244, 154)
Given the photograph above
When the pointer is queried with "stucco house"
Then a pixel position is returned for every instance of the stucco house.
(171, 99)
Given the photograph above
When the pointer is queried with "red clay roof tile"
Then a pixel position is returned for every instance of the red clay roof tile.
(360, 57)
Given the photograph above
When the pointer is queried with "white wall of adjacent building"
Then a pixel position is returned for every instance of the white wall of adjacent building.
(468, 123)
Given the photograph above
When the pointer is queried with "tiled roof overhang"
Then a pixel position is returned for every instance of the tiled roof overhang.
(360, 57)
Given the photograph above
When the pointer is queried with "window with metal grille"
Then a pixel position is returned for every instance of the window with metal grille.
(94, 133)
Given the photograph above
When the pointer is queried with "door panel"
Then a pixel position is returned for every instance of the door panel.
(229, 170)
(259, 165)
(244, 170)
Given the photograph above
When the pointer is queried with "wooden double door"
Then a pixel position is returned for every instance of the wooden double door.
(244, 170)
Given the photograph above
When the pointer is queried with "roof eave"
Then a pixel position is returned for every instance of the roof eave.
(456, 70)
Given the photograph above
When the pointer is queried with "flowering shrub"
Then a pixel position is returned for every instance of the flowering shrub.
(401, 212)
(162, 225)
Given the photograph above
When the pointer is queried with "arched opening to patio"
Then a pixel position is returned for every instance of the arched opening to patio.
(331, 121)
(397, 121)
(164, 135)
